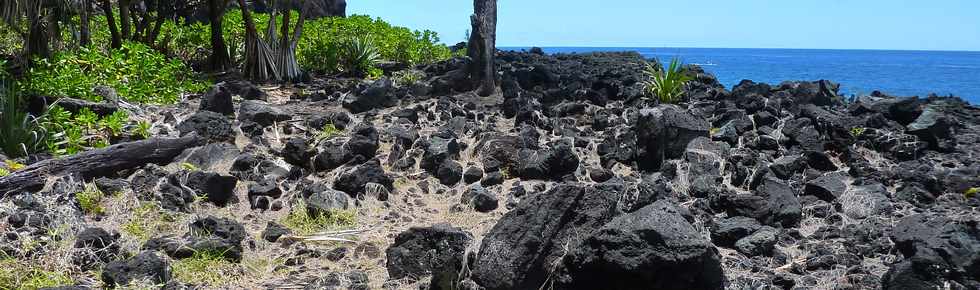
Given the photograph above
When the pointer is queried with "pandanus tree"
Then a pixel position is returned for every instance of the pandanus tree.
(220, 58)
(272, 57)
(139, 20)
(36, 22)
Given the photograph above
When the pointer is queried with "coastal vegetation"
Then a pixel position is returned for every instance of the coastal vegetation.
(157, 63)
(666, 84)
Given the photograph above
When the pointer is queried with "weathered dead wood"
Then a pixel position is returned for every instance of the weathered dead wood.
(99, 162)
(482, 45)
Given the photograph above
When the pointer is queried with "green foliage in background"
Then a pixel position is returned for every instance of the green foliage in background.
(137, 73)
(319, 48)
(324, 38)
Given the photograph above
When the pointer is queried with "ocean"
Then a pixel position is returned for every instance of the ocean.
(900, 73)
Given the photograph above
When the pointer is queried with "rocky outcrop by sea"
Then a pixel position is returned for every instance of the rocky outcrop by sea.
(569, 178)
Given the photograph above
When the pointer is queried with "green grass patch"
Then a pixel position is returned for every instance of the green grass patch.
(328, 132)
(208, 268)
(302, 222)
(17, 275)
(90, 200)
(147, 220)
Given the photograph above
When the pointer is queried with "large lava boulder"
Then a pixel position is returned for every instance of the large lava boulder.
(522, 248)
(218, 100)
(552, 163)
(353, 181)
(652, 248)
(209, 234)
(937, 249)
(212, 126)
(147, 265)
(439, 251)
(935, 128)
(261, 113)
(379, 94)
(663, 133)
(773, 203)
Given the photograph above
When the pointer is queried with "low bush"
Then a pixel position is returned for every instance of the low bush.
(408, 78)
(137, 72)
(73, 133)
(320, 47)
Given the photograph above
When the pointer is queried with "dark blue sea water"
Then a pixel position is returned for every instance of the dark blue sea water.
(902, 73)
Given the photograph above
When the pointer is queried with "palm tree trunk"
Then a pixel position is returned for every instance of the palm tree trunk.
(219, 59)
(85, 36)
(125, 19)
(116, 41)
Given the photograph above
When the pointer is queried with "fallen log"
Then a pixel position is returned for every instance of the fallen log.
(99, 162)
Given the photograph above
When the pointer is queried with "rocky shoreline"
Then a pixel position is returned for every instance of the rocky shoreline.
(568, 178)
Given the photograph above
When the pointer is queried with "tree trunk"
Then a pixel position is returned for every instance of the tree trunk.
(98, 162)
(162, 13)
(85, 36)
(219, 59)
(482, 45)
(116, 41)
(125, 20)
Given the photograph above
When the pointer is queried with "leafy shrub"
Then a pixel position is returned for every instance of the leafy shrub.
(325, 38)
(407, 78)
(137, 73)
(142, 129)
(72, 133)
(667, 85)
(20, 134)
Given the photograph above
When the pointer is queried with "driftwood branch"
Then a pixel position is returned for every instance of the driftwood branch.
(99, 162)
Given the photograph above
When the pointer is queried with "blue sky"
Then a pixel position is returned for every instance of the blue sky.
(844, 24)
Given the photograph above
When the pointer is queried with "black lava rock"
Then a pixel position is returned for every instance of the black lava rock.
(439, 251)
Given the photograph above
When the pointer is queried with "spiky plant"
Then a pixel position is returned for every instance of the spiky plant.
(20, 134)
(359, 55)
(667, 85)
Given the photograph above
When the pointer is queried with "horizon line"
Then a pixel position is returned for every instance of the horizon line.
(716, 47)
